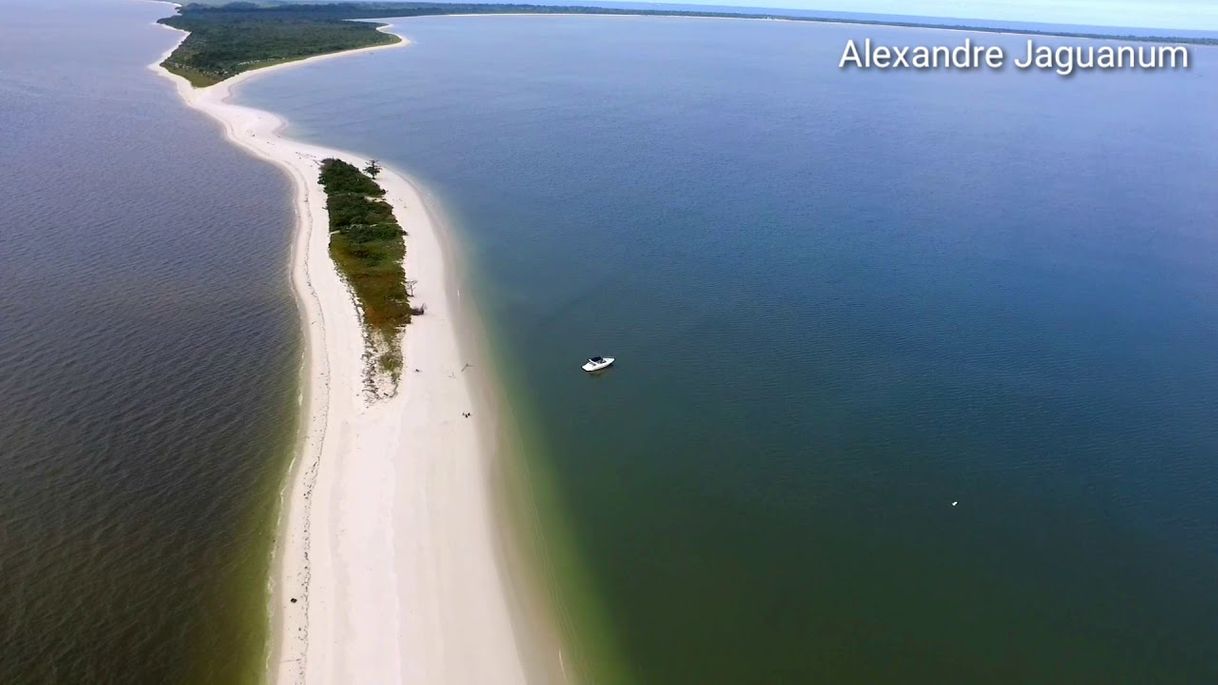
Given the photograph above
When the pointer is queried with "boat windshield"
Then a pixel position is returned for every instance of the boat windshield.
(596, 360)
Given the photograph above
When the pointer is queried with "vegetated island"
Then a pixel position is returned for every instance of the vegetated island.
(367, 246)
(226, 40)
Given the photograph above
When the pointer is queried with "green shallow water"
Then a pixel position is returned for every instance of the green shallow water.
(840, 303)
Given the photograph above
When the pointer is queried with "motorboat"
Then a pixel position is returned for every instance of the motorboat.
(597, 363)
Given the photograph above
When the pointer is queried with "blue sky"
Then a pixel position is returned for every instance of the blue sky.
(1201, 15)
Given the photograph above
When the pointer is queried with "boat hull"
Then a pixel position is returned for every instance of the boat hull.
(593, 367)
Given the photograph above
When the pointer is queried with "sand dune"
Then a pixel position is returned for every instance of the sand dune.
(387, 568)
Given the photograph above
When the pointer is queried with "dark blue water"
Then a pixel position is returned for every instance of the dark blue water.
(148, 362)
(840, 303)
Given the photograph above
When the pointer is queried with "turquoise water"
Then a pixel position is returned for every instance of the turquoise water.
(840, 303)
(149, 348)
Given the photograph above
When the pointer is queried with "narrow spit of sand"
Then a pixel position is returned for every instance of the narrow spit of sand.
(387, 568)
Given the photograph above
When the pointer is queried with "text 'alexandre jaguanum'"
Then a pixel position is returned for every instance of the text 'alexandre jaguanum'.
(1063, 60)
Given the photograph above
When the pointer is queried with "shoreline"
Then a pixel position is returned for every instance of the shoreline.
(315, 559)
(388, 565)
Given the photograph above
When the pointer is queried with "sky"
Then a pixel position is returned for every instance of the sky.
(1200, 15)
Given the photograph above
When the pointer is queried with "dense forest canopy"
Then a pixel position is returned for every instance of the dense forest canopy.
(228, 39)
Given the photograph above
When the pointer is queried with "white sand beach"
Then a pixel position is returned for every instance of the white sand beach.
(387, 569)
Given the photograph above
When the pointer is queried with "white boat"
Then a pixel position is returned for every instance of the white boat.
(597, 363)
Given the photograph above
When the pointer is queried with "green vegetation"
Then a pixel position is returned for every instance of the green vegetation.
(226, 40)
(367, 248)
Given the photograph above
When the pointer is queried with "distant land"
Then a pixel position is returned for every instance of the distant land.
(228, 39)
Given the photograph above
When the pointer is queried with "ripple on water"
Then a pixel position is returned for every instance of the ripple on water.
(148, 358)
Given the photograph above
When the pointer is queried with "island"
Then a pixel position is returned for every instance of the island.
(228, 39)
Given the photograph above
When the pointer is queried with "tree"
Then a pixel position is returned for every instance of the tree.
(372, 169)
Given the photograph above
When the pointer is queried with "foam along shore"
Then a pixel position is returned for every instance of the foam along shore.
(387, 567)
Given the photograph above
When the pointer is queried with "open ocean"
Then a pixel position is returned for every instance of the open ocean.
(840, 302)
(149, 352)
